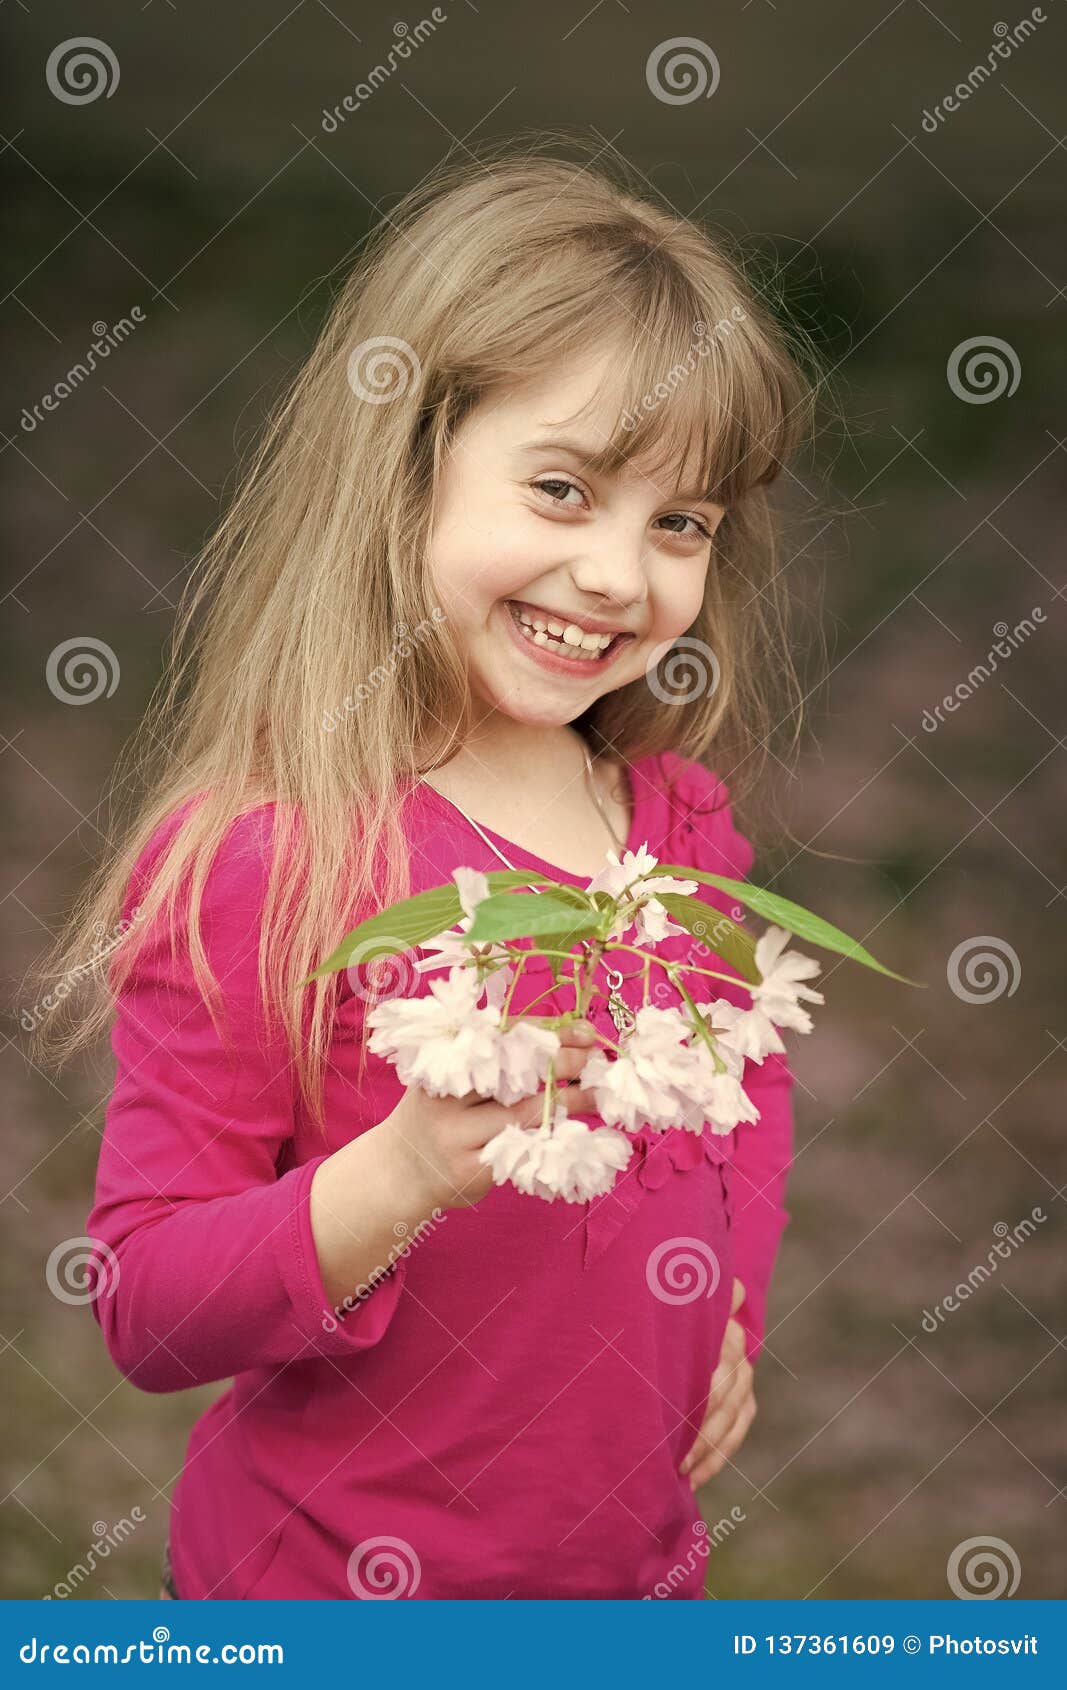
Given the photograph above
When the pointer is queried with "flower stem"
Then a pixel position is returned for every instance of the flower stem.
(673, 968)
(703, 1031)
(550, 1093)
(511, 989)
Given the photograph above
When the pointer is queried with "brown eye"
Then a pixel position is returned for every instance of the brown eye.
(683, 516)
(560, 482)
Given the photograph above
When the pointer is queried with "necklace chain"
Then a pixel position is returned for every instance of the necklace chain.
(621, 1014)
(619, 843)
(591, 783)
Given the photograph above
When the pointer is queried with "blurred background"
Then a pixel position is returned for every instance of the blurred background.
(187, 198)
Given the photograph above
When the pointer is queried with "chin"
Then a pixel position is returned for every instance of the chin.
(548, 714)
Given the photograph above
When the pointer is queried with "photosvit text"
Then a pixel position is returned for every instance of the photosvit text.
(936, 1643)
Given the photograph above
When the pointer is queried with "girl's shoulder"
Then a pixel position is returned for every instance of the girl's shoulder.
(231, 874)
(697, 815)
(240, 862)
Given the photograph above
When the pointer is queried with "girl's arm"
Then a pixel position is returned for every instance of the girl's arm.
(763, 1149)
(205, 1261)
(762, 1157)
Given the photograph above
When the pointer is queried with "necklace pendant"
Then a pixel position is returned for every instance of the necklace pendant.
(621, 1014)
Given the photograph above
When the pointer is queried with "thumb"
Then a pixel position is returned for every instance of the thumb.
(738, 1296)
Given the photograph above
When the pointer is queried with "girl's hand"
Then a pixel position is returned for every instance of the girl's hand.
(434, 1142)
(731, 1404)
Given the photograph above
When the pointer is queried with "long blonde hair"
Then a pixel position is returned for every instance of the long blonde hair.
(313, 589)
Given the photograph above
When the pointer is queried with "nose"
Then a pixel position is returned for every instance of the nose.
(612, 565)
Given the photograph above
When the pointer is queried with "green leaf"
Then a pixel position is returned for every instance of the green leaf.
(572, 895)
(409, 923)
(516, 915)
(396, 929)
(502, 879)
(784, 913)
(720, 932)
(563, 940)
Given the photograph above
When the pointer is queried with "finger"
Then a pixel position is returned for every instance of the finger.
(738, 1296)
(725, 1447)
(729, 1388)
(577, 1039)
(569, 1064)
(578, 1033)
(726, 1395)
(713, 1463)
(717, 1421)
(732, 1359)
(491, 1117)
(578, 1100)
(732, 1362)
(733, 1340)
(715, 1428)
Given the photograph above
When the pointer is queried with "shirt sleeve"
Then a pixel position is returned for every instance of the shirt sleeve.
(203, 1263)
(763, 1149)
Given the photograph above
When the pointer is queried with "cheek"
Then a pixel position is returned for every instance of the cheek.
(676, 602)
(480, 555)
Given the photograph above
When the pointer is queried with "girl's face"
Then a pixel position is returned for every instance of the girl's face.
(526, 535)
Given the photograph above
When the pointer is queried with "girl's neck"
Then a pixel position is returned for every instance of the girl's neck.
(505, 755)
(530, 786)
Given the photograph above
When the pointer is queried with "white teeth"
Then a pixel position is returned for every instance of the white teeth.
(557, 636)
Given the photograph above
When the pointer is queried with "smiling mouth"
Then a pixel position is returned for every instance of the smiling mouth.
(566, 639)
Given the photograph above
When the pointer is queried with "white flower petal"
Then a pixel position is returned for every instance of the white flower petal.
(728, 1104)
(746, 1032)
(523, 1053)
(779, 992)
(473, 887)
(571, 1161)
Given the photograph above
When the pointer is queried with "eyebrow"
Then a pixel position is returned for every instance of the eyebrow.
(588, 454)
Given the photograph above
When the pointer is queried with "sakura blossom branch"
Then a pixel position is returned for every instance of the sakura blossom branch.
(676, 1067)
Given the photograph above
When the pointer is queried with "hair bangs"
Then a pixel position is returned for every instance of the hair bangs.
(708, 407)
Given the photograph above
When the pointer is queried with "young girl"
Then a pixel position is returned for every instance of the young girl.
(499, 580)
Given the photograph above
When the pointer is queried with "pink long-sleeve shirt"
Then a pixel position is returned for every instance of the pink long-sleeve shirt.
(504, 1412)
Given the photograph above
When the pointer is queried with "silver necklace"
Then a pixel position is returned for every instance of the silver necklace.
(591, 783)
(618, 1009)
